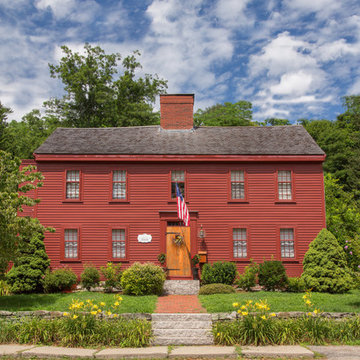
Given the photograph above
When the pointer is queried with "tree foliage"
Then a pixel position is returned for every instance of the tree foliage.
(97, 97)
(325, 266)
(15, 229)
(4, 112)
(27, 274)
(227, 114)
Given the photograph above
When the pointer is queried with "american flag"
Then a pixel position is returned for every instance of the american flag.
(183, 212)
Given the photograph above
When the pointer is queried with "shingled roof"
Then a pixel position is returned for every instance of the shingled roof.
(153, 140)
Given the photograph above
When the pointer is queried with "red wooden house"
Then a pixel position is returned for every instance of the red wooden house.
(255, 192)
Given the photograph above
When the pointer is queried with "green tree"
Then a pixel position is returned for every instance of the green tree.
(15, 230)
(96, 96)
(343, 219)
(325, 267)
(27, 274)
(276, 122)
(227, 114)
(4, 112)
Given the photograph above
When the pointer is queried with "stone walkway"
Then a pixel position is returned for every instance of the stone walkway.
(172, 304)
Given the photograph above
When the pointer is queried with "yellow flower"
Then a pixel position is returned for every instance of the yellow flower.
(95, 307)
(218, 334)
(308, 302)
(66, 314)
(99, 311)
(75, 317)
(93, 312)
(235, 304)
(116, 303)
(239, 311)
(243, 307)
(102, 303)
(316, 311)
(244, 313)
(120, 298)
(115, 315)
(263, 317)
(272, 314)
(108, 313)
(88, 300)
(305, 296)
(308, 314)
(250, 301)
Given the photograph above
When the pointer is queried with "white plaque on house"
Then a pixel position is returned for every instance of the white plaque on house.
(144, 238)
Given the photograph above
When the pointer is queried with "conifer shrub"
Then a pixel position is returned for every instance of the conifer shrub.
(220, 272)
(90, 277)
(27, 274)
(295, 285)
(143, 279)
(211, 289)
(272, 275)
(325, 266)
(59, 280)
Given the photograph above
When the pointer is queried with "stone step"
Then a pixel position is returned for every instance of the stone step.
(181, 317)
(188, 324)
(175, 340)
(181, 287)
(182, 332)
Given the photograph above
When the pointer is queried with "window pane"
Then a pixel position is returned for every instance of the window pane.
(284, 176)
(286, 234)
(178, 176)
(237, 175)
(181, 188)
(72, 190)
(73, 175)
(285, 191)
(118, 243)
(118, 235)
(237, 190)
(71, 244)
(239, 243)
(239, 234)
(287, 249)
(119, 175)
(119, 191)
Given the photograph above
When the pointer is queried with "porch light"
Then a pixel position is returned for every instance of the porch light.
(202, 233)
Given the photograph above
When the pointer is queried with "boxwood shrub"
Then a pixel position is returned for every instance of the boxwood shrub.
(59, 280)
(143, 279)
(220, 272)
(272, 275)
(216, 289)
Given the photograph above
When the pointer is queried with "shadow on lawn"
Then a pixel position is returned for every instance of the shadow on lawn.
(28, 302)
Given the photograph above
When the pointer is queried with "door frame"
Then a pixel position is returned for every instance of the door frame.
(166, 216)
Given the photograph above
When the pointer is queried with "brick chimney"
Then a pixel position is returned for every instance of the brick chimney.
(177, 111)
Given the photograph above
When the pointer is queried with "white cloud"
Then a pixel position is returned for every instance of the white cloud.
(232, 13)
(60, 8)
(294, 84)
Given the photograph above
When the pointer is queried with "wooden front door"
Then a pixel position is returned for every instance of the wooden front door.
(178, 255)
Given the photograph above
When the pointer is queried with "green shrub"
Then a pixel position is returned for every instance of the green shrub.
(4, 288)
(90, 277)
(295, 285)
(247, 280)
(218, 273)
(272, 275)
(59, 280)
(112, 275)
(26, 276)
(211, 289)
(143, 279)
(325, 266)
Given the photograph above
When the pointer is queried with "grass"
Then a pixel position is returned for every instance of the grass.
(61, 302)
(280, 301)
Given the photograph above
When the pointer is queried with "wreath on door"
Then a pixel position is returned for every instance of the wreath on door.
(178, 240)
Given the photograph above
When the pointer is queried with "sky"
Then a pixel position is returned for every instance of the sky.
(291, 59)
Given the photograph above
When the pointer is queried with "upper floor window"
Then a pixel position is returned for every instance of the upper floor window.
(239, 243)
(119, 184)
(177, 177)
(73, 184)
(237, 184)
(71, 244)
(118, 244)
(284, 185)
(287, 243)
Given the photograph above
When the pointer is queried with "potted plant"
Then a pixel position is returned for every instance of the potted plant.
(195, 270)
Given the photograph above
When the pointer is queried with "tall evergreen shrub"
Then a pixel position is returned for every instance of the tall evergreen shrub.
(27, 274)
(325, 266)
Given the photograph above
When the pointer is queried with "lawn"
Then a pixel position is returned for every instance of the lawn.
(280, 301)
(60, 302)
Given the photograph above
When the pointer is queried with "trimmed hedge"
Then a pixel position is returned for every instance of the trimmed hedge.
(220, 272)
(216, 289)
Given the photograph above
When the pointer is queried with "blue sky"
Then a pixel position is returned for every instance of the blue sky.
(291, 58)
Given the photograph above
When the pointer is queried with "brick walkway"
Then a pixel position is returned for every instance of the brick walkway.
(179, 304)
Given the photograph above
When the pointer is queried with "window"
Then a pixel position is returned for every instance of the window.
(71, 244)
(284, 185)
(237, 184)
(118, 244)
(73, 184)
(119, 184)
(239, 243)
(177, 177)
(287, 243)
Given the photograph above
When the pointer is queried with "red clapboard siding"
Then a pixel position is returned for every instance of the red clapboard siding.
(207, 192)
